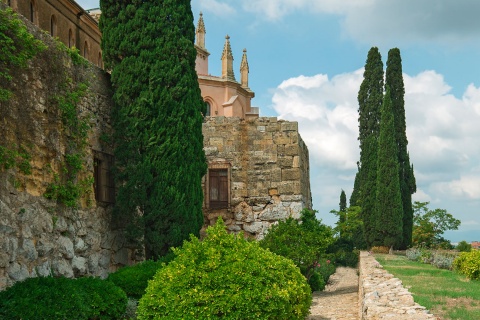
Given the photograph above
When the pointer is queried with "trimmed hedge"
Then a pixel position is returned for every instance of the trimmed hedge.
(62, 298)
(228, 277)
(134, 279)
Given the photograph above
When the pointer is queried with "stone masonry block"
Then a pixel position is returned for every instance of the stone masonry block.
(289, 126)
(291, 149)
(291, 174)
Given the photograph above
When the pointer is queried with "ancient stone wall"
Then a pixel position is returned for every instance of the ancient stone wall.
(382, 296)
(38, 236)
(268, 172)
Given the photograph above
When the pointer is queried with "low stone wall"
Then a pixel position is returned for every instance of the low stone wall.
(381, 296)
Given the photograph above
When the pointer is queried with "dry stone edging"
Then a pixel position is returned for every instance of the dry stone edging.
(382, 296)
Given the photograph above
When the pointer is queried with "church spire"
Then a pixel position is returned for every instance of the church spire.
(244, 70)
(200, 32)
(227, 61)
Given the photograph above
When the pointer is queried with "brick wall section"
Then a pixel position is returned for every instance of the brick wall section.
(382, 296)
(268, 169)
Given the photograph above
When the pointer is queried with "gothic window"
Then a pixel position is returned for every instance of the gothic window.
(85, 50)
(71, 40)
(104, 184)
(207, 114)
(53, 26)
(218, 191)
(33, 12)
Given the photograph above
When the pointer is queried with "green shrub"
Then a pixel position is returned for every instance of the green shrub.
(316, 282)
(414, 254)
(62, 298)
(304, 242)
(443, 259)
(468, 263)
(326, 269)
(225, 276)
(134, 279)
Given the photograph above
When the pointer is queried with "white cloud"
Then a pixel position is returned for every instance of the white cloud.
(217, 7)
(442, 131)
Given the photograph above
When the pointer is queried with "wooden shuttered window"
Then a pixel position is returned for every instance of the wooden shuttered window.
(218, 188)
(104, 184)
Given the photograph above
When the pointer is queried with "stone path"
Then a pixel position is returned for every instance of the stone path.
(339, 301)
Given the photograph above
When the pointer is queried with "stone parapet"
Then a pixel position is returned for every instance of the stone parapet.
(382, 296)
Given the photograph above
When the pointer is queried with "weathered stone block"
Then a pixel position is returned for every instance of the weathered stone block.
(65, 247)
(290, 174)
(289, 187)
(79, 266)
(285, 161)
(291, 149)
(17, 272)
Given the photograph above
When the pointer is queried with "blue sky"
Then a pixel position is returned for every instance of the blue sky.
(306, 61)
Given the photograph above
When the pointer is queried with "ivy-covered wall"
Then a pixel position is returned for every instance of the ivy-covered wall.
(56, 115)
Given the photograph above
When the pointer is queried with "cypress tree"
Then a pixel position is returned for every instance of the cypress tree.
(370, 98)
(394, 80)
(389, 199)
(343, 202)
(148, 45)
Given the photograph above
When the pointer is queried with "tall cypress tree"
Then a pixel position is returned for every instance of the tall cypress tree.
(370, 98)
(389, 199)
(394, 80)
(343, 201)
(148, 45)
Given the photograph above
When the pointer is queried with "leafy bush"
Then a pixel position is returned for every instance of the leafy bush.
(62, 298)
(414, 254)
(463, 246)
(134, 279)
(304, 242)
(225, 276)
(443, 260)
(316, 282)
(468, 263)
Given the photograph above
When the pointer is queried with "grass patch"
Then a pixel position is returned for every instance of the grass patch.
(446, 294)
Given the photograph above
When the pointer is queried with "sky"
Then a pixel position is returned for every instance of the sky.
(306, 60)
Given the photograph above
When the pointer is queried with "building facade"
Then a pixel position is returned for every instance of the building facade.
(66, 20)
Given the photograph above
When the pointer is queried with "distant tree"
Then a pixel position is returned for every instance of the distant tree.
(355, 196)
(429, 225)
(349, 228)
(464, 246)
(394, 80)
(389, 200)
(342, 205)
(148, 45)
(370, 98)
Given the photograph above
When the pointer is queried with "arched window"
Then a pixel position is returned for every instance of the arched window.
(85, 50)
(71, 40)
(33, 12)
(53, 26)
(209, 108)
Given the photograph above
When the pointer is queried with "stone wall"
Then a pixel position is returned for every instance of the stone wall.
(382, 296)
(268, 167)
(40, 236)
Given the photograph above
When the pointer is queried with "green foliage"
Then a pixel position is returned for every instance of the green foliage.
(464, 246)
(17, 47)
(370, 98)
(11, 157)
(394, 81)
(134, 279)
(157, 120)
(439, 258)
(225, 276)
(429, 226)
(62, 298)
(304, 242)
(468, 264)
(349, 228)
(388, 227)
(67, 187)
(316, 282)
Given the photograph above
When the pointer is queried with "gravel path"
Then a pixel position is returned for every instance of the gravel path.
(339, 301)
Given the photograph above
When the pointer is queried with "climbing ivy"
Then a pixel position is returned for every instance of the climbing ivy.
(17, 47)
(68, 187)
(11, 158)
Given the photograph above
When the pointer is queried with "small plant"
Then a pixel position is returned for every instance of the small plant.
(414, 254)
(134, 279)
(228, 277)
(443, 260)
(62, 298)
